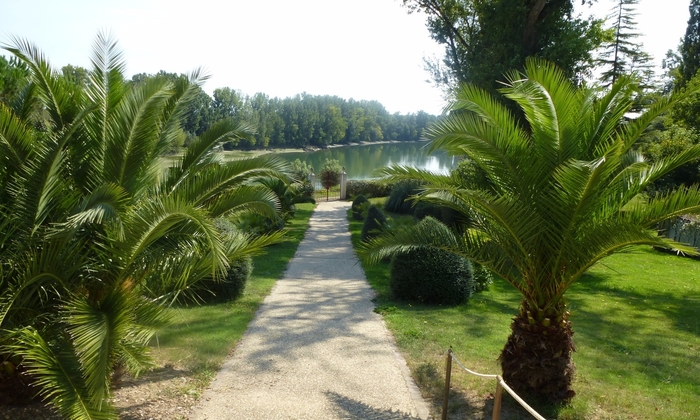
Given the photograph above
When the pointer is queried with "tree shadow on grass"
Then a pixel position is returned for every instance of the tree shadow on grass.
(684, 311)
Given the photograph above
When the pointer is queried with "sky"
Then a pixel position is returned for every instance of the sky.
(360, 49)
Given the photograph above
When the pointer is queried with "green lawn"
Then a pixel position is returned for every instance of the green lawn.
(636, 318)
(200, 337)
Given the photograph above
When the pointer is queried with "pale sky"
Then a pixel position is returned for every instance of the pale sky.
(361, 49)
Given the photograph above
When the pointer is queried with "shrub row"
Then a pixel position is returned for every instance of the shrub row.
(368, 187)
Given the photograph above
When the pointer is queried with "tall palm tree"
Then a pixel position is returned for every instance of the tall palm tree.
(563, 192)
(90, 222)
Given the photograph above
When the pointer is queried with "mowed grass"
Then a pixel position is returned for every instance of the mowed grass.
(200, 337)
(636, 318)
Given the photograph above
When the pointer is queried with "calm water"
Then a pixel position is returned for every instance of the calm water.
(361, 161)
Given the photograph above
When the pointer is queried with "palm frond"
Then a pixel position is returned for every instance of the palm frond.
(94, 330)
(632, 131)
(429, 233)
(540, 94)
(134, 132)
(664, 207)
(246, 198)
(55, 93)
(41, 273)
(17, 140)
(200, 153)
(160, 217)
(184, 90)
(601, 118)
(207, 182)
(106, 202)
(57, 374)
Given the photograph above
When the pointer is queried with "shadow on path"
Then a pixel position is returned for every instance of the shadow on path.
(351, 409)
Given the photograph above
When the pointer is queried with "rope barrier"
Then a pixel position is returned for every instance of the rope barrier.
(517, 398)
(481, 375)
(500, 384)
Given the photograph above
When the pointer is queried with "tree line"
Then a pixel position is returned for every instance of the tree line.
(296, 122)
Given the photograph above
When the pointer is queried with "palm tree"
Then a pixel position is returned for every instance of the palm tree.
(90, 222)
(562, 192)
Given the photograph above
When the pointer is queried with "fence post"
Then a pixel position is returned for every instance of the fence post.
(343, 181)
(497, 400)
(448, 375)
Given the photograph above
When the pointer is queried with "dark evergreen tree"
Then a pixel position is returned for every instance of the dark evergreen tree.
(690, 47)
(687, 112)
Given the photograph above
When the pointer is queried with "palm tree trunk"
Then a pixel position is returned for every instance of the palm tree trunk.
(536, 359)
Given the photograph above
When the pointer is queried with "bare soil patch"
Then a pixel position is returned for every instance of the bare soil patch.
(166, 393)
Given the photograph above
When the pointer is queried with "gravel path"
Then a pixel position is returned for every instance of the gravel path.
(315, 349)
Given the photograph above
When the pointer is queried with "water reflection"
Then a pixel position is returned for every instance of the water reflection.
(361, 161)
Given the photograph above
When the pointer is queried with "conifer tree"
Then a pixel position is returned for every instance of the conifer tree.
(622, 55)
(690, 47)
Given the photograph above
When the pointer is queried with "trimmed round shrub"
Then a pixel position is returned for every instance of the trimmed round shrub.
(359, 204)
(375, 222)
(397, 201)
(424, 209)
(431, 275)
(232, 286)
(446, 215)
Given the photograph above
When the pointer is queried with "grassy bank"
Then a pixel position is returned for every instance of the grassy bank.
(636, 318)
(200, 337)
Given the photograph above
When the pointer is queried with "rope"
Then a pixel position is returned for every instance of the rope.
(515, 396)
(481, 375)
(505, 386)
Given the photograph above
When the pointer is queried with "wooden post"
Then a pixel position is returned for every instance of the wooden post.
(497, 400)
(448, 375)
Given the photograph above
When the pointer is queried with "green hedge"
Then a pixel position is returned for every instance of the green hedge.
(368, 187)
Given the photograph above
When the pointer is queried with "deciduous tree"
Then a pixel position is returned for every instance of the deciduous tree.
(484, 39)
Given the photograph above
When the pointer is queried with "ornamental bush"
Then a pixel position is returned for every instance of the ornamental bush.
(483, 277)
(431, 275)
(359, 206)
(232, 286)
(398, 201)
(375, 223)
(446, 215)
(368, 187)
